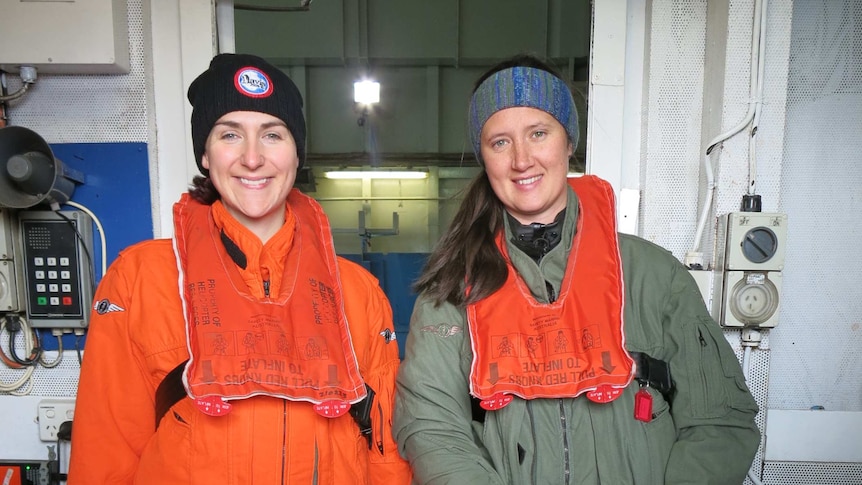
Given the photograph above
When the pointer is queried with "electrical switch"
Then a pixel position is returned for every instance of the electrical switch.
(750, 249)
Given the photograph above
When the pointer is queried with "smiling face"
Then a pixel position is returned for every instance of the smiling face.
(252, 161)
(526, 153)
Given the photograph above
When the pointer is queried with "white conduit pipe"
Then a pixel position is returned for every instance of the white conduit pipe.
(757, 42)
(225, 27)
(758, 104)
(746, 362)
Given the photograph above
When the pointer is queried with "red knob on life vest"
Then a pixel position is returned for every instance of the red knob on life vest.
(332, 408)
(212, 405)
(604, 394)
(495, 402)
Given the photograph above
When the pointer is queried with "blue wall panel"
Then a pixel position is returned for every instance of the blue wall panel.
(396, 273)
(117, 190)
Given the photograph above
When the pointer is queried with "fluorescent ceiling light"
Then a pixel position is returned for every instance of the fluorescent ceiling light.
(366, 92)
(392, 174)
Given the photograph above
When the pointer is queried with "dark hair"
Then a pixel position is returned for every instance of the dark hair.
(467, 255)
(203, 190)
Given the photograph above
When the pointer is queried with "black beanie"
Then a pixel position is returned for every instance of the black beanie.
(243, 82)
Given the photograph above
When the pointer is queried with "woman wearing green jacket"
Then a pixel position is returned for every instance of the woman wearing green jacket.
(546, 348)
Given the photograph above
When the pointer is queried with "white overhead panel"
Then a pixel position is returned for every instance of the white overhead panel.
(65, 37)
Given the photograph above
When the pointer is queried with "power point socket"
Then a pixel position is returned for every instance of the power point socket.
(53, 413)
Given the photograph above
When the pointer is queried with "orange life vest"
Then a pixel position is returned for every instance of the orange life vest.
(571, 346)
(295, 345)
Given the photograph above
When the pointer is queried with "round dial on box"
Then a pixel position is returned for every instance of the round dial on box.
(759, 244)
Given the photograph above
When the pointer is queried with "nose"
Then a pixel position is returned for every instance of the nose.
(521, 159)
(253, 156)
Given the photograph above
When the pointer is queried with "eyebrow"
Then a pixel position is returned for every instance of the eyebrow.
(543, 125)
(237, 125)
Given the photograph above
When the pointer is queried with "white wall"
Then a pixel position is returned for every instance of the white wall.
(808, 166)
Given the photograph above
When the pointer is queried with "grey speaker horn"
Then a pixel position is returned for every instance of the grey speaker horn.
(29, 173)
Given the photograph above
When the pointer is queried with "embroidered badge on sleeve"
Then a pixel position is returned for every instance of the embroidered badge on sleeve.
(105, 306)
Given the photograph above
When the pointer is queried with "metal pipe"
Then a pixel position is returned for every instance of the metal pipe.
(225, 26)
(260, 8)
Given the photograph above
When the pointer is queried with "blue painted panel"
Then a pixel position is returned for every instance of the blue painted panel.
(396, 273)
(117, 190)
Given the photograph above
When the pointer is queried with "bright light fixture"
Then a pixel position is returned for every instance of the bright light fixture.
(392, 174)
(366, 92)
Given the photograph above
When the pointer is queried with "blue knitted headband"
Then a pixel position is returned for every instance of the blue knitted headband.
(522, 86)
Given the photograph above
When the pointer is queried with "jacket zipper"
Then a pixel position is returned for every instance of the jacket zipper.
(567, 472)
(534, 472)
(552, 295)
(265, 274)
(702, 373)
(380, 440)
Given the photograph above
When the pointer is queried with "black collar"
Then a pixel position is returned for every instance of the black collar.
(536, 239)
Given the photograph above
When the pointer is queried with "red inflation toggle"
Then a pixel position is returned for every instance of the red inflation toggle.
(495, 402)
(212, 405)
(332, 408)
(604, 394)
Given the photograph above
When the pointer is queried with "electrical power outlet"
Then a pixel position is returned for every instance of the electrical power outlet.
(53, 413)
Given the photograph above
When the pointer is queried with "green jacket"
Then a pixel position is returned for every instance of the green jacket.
(706, 435)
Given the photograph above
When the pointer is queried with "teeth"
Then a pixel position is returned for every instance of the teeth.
(253, 183)
(529, 180)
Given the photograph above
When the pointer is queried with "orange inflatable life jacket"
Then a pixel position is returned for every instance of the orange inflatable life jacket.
(295, 345)
(572, 346)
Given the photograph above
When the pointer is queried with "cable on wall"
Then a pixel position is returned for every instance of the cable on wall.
(13, 324)
(694, 258)
(28, 77)
(758, 107)
(102, 237)
(750, 339)
(58, 334)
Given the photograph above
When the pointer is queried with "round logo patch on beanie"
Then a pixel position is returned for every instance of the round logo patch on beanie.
(253, 82)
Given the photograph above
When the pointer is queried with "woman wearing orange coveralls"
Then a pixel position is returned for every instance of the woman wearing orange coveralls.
(244, 350)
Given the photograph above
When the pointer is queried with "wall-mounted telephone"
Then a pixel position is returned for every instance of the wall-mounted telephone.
(46, 261)
(46, 256)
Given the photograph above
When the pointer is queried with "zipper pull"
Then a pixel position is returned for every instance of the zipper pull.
(552, 296)
(700, 337)
(264, 273)
(380, 435)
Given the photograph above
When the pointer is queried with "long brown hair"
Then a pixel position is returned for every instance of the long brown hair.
(466, 255)
(203, 190)
(467, 252)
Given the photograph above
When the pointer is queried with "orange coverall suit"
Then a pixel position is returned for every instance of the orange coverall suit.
(137, 335)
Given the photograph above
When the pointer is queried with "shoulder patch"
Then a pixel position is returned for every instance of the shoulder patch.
(105, 306)
(442, 329)
(388, 335)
